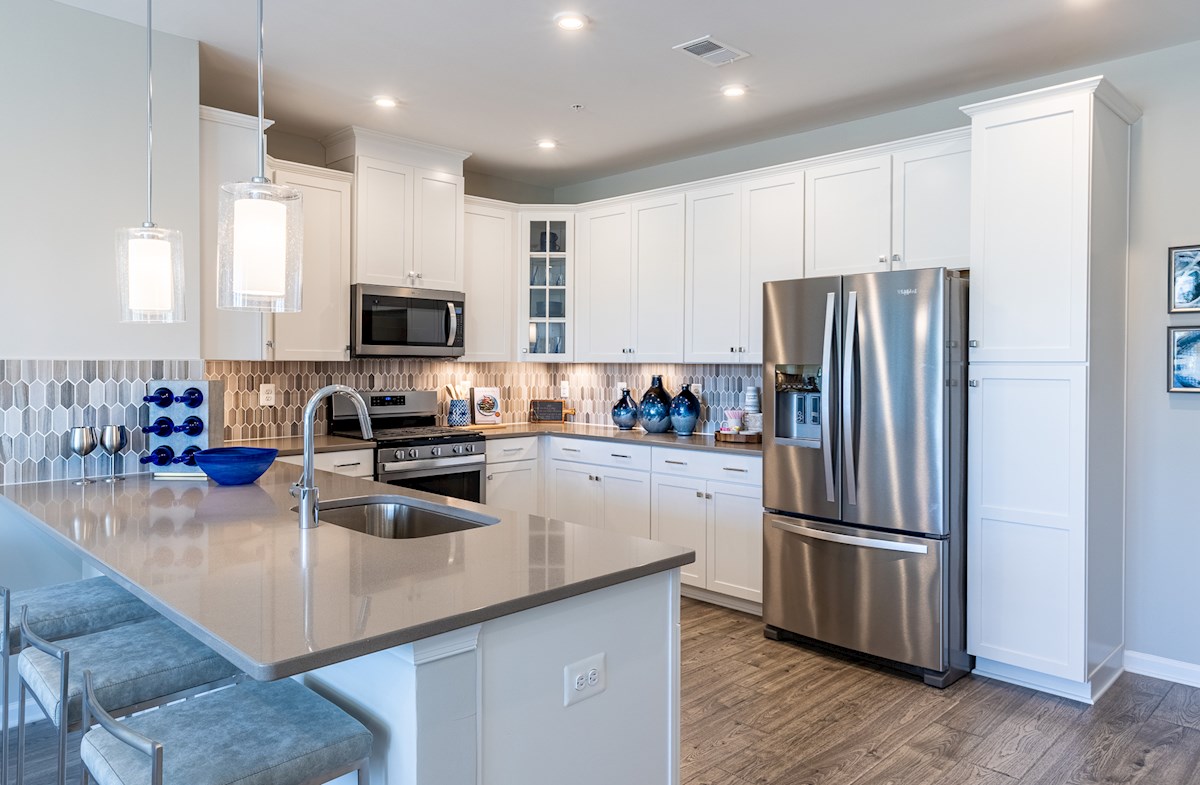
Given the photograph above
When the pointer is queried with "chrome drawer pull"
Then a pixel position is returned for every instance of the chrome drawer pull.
(512, 449)
(618, 455)
(569, 449)
(732, 469)
(346, 465)
(677, 463)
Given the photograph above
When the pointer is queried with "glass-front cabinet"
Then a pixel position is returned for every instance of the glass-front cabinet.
(547, 303)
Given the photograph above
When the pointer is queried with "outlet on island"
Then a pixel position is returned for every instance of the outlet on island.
(584, 679)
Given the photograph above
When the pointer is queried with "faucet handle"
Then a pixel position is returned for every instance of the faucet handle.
(295, 490)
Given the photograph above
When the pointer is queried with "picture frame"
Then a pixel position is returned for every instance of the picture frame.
(1183, 279)
(1183, 359)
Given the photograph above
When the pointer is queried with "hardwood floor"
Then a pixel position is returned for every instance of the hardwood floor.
(757, 711)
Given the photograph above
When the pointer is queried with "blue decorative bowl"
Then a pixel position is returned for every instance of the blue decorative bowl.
(235, 465)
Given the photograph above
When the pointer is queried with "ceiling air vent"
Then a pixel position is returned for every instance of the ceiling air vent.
(712, 52)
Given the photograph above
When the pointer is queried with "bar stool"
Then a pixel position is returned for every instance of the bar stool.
(135, 667)
(65, 610)
(255, 733)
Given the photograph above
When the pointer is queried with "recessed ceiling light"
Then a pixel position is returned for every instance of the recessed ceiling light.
(733, 90)
(571, 20)
(385, 101)
(547, 144)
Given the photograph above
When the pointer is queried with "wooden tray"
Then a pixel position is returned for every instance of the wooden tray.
(740, 438)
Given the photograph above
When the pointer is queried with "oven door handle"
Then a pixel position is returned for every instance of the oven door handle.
(431, 463)
(453, 331)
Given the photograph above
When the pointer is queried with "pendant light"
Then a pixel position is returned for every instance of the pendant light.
(260, 237)
(149, 258)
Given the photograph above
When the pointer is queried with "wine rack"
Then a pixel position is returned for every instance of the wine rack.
(181, 416)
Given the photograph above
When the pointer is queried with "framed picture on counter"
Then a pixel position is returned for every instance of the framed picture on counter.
(1183, 360)
(1184, 279)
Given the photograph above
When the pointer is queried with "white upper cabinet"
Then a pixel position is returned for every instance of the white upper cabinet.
(438, 230)
(931, 205)
(772, 245)
(604, 322)
(715, 299)
(489, 241)
(848, 217)
(546, 274)
(658, 262)
(383, 223)
(321, 331)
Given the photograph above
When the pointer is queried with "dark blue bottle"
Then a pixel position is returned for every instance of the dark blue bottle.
(160, 397)
(188, 457)
(625, 411)
(656, 408)
(192, 426)
(163, 426)
(159, 456)
(191, 398)
(685, 411)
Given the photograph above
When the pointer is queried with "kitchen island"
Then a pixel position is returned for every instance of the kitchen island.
(456, 650)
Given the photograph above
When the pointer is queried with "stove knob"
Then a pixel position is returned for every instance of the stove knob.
(458, 450)
(412, 453)
(399, 455)
(436, 451)
(470, 448)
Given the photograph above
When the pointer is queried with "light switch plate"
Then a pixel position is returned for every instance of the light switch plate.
(564, 390)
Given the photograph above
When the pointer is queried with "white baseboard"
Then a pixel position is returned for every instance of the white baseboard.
(724, 600)
(32, 712)
(1082, 691)
(1162, 668)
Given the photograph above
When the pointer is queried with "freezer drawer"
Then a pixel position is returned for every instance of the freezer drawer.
(881, 594)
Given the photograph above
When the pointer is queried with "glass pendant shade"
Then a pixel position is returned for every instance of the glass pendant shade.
(260, 244)
(150, 274)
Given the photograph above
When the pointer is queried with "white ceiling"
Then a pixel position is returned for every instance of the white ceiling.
(493, 76)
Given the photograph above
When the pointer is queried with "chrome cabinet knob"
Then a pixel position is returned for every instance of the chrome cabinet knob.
(883, 258)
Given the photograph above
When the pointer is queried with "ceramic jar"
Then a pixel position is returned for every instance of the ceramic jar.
(625, 411)
(685, 411)
(656, 408)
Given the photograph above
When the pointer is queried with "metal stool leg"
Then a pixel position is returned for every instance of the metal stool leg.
(20, 732)
(5, 646)
(364, 773)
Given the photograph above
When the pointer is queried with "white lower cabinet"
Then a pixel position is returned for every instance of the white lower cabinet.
(600, 496)
(514, 486)
(679, 516)
(571, 492)
(352, 463)
(735, 537)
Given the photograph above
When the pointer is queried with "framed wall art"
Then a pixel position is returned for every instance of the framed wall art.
(1183, 279)
(1183, 359)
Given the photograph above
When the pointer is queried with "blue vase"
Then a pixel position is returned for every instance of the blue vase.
(625, 412)
(656, 408)
(685, 411)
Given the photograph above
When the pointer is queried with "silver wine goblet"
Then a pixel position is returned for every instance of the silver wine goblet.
(83, 442)
(113, 439)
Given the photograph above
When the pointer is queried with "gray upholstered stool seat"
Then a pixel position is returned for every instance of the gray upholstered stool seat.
(130, 665)
(255, 733)
(71, 609)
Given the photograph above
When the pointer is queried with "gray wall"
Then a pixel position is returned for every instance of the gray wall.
(492, 187)
(73, 92)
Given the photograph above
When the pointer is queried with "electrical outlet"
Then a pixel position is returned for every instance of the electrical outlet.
(266, 395)
(564, 389)
(697, 390)
(584, 679)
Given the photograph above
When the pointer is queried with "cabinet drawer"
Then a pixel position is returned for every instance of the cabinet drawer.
(505, 450)
(709, 465)
(601, 453)
(352, 463)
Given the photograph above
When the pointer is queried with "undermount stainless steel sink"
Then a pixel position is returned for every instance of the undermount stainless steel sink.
(398, 517)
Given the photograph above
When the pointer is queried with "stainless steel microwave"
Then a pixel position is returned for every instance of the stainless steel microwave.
(390, 321)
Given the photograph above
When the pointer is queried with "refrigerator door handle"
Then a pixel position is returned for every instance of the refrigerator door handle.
(847, 539)
(848, 402)
(826, 358)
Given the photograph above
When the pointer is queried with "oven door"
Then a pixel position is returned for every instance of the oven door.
(391, 321)
(454, 477)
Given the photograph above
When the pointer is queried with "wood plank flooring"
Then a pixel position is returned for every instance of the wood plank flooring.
(761, 712)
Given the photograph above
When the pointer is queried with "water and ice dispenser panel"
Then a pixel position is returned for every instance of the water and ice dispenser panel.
(798, 404)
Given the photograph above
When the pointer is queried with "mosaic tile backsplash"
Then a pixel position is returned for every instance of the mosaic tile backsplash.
(40, 400)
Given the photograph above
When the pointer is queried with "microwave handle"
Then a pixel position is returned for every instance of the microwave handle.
(453, 324)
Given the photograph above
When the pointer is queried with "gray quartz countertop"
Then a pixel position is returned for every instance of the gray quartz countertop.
(636, 436)
(294, 445)
(232, 566)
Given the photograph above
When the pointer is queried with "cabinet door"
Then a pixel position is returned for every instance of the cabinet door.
(513, 486)
(848, 217)
(438, 230)
(931, 205)
(572, 492)
(624, 497)
(772, 246)
(659, 264)
(315, 333)
(488, 242)
(1026, 538)
(713, 298)
(1029, 232)
(546, 269)
(735, 542)
(679, 516)
(383, 223)
(605, 295)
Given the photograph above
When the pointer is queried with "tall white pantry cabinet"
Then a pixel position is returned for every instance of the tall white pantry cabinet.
(1046, 433)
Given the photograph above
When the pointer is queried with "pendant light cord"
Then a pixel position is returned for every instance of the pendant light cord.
(262, 139)
(149, 117)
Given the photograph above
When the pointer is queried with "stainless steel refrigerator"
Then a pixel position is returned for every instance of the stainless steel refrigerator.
(864, 466)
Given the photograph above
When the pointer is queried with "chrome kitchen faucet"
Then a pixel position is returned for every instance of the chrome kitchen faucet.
(305, 489)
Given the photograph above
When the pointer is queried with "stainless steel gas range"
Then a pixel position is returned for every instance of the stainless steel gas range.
(411, 450)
